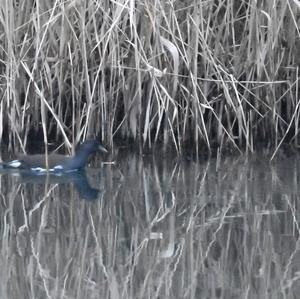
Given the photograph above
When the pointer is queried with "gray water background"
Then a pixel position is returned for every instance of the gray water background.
(157, 227)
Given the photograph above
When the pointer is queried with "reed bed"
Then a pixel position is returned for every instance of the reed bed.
(181, 74)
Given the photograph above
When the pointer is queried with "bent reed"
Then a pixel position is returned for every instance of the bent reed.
(182, 74)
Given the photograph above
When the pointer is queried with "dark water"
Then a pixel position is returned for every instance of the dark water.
(151, 228)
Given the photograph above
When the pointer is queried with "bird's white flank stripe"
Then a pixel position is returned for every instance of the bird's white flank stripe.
(38, 169)
(15, 163)
(58, 167)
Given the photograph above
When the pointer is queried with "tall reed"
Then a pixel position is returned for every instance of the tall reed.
(175, 73)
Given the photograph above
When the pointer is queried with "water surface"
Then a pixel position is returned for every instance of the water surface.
(154, 228)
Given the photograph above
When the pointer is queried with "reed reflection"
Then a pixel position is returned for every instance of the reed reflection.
(163, 228)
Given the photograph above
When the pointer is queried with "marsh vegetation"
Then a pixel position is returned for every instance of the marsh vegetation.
(182, 74)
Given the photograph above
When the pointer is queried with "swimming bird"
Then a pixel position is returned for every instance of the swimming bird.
(57, 162)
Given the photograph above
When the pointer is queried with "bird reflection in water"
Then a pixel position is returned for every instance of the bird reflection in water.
(78, 178)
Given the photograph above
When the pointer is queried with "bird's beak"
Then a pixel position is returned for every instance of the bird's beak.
(102, 149)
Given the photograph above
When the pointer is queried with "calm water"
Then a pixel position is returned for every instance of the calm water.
(146, 228)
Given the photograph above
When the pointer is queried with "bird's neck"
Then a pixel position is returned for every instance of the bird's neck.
(80, 159)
